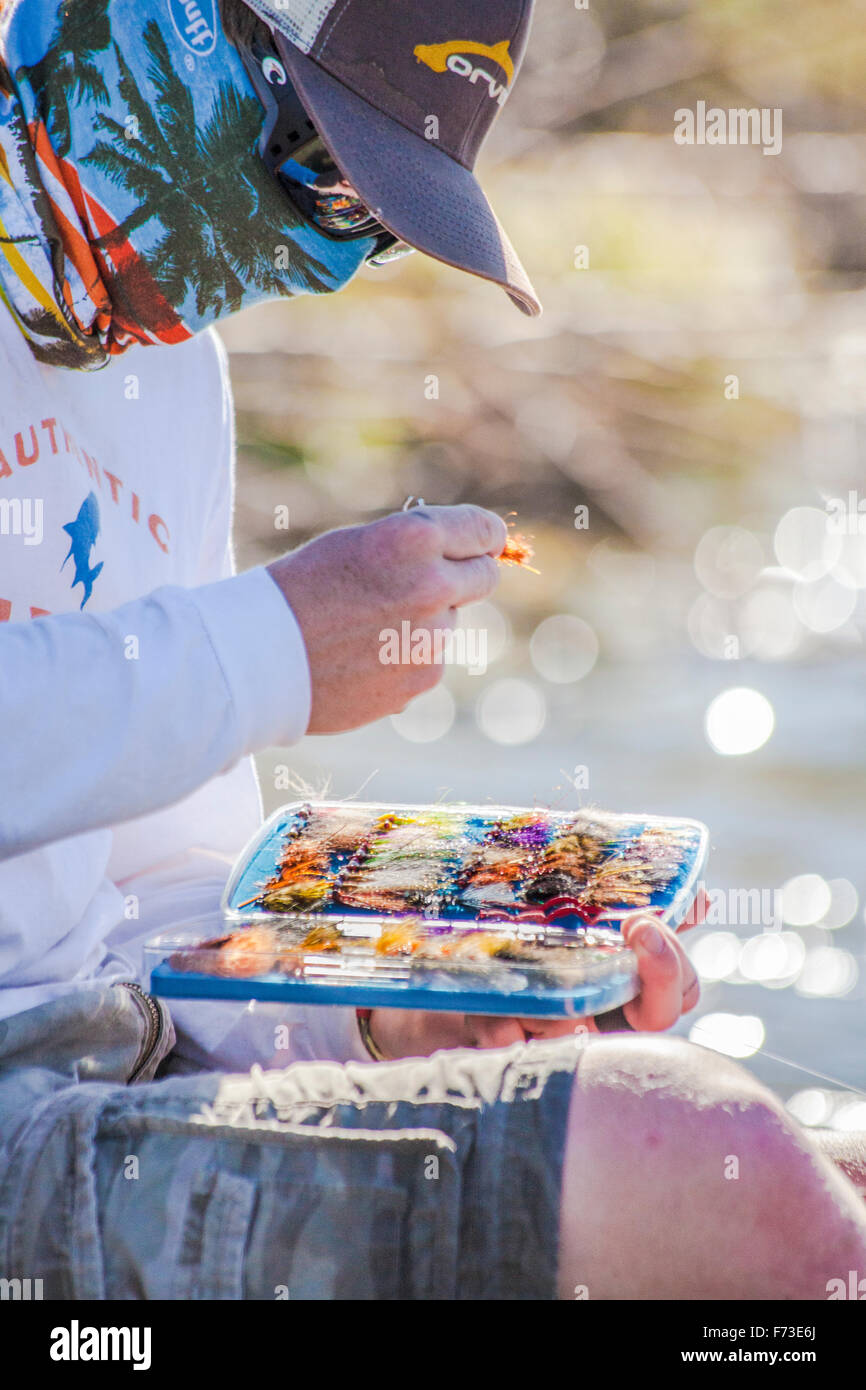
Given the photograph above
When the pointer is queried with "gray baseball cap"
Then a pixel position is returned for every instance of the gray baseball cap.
(404, 94)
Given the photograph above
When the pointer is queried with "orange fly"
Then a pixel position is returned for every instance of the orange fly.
(518, 550)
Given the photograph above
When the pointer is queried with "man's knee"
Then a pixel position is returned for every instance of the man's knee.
(695, 1170)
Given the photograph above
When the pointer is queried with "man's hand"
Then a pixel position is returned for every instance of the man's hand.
(669, 988)
(348, 587)
(668, 981)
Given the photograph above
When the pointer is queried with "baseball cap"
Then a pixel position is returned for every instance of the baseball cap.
(404, 95)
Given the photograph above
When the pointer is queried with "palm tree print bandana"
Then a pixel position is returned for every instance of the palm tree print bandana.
(134, 207)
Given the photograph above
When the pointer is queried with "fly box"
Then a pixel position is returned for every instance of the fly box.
(476, 909)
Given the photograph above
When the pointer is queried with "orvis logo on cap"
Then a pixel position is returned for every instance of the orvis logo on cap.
(451, 57)
(195, 23)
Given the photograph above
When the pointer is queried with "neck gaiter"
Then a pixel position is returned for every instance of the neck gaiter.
(134, 207)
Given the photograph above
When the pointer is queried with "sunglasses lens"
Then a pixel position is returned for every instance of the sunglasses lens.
(322, 196)
(318, 190)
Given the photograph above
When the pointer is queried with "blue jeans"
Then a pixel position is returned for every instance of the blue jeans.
(430, 1178)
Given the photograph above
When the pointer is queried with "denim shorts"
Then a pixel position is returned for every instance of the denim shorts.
(430, 1178)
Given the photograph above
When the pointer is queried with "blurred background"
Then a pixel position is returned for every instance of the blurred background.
(680, 434)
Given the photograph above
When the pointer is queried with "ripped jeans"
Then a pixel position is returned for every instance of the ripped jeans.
(430, 1178)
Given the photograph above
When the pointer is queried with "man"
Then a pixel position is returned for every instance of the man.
(136, 210)
(144, 193)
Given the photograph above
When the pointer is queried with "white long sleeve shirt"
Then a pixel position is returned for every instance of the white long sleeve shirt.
(127, 724)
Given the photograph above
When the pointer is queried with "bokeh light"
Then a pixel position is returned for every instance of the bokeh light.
(827, 973)
(737, 1035)
(804, 545)
(824, 606)
(710, 628)
(739, 721)
(772, 958)
(810, 1106)
(511, 711)
(428, 718)
(844, 901)
(769, 627)
(715, 955)
(563, 648)
(850, 1116)
(805, 900)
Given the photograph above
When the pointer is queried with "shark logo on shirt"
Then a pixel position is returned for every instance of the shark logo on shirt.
(82, 533)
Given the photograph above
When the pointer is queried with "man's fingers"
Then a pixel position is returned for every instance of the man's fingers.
(467, 530)
(697, 912)
(660, 1000)
(689, 976)
(691, 996)
(470, 580)
(660, 967)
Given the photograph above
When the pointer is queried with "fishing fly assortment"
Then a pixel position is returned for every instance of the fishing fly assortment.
(438, 907)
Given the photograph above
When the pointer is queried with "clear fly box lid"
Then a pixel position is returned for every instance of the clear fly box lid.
(416, 963)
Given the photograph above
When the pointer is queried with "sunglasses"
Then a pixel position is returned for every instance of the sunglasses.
(295, 155)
